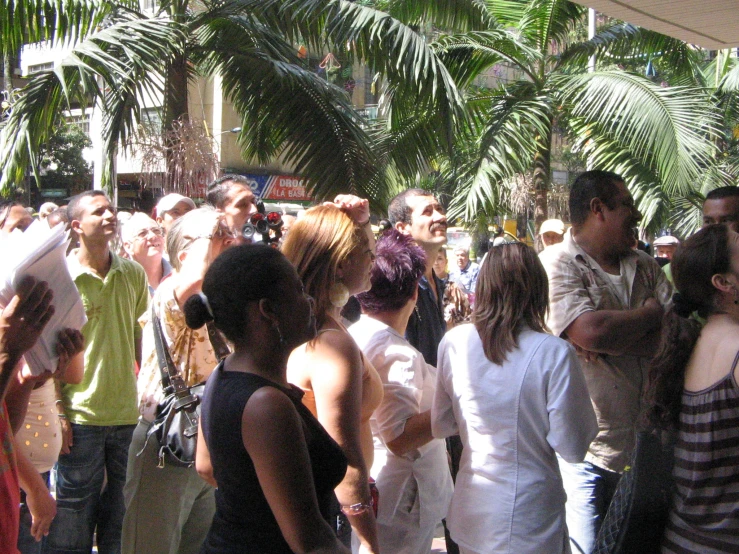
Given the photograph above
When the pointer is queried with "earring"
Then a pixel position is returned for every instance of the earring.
(338, 294)
(281, 339)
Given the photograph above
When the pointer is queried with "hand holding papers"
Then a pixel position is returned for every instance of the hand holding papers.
(41, 253)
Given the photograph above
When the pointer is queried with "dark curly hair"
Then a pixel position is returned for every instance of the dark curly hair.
(695, 262)
(399, 264)
(239, 275)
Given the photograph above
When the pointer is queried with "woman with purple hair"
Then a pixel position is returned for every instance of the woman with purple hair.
(410, 466)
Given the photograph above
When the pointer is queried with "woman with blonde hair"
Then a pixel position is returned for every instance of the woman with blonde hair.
(332, 248)
(516, 395)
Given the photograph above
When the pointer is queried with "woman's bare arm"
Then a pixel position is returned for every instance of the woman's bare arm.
(337, 385)
(203, 465)
(273, 437)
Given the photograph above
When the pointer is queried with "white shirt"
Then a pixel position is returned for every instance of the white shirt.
(408, 383)
(512, 418)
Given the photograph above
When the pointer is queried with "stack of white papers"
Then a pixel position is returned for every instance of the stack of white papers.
(41, 252)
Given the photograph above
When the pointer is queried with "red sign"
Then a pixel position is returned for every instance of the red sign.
(286, 189)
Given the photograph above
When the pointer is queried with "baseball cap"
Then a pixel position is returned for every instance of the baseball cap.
(552, 226)
(169, 201)
(667, 240)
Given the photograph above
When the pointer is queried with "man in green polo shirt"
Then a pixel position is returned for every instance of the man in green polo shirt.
(101, 411)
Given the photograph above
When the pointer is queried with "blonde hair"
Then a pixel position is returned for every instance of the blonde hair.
(184, 228)
(512, 291)
(318, 242)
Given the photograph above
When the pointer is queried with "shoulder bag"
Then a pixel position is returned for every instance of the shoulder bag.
(176, 425)
(637, 515)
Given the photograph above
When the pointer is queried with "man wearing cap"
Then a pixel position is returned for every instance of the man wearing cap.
(552, 231)
(665, 247)
(170, 208)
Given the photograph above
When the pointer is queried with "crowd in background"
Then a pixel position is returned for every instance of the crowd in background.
(360, 389)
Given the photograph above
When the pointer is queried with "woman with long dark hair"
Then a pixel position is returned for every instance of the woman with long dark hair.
(693, 390)
(516, 395)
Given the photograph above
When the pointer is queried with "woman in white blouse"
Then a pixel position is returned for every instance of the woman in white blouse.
(410, 466)
(516, 396)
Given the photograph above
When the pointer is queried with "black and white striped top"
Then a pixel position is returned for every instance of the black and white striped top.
(705, 512)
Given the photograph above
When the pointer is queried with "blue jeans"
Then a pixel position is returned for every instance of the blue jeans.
(589, 491)
(85, 500)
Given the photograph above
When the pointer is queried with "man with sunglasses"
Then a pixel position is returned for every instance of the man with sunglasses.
(232, 196)
(101, 412)
(143, 242)
(608, 301)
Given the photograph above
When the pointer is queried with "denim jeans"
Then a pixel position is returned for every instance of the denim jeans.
(589, 491)
(89, 491)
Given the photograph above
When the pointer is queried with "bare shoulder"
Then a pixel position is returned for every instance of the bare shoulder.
(268, 407)
(333, 345)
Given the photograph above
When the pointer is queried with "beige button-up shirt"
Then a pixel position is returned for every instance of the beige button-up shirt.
(577, 284)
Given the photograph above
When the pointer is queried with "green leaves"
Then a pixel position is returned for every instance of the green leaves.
(664, 128)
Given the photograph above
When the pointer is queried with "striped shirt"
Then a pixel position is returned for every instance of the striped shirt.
(705, 512)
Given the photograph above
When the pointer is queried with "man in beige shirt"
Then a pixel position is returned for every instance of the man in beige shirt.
(608, 301)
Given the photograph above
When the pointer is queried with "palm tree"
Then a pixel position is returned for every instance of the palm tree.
(121, 55)
(621, 121)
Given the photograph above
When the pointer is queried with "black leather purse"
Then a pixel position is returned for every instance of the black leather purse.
(176, 425)
(637, 515)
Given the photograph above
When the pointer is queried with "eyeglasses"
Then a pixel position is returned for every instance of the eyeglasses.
(221, 232)
(156, 231)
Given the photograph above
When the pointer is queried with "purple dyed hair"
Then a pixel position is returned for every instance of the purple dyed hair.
(399, 265)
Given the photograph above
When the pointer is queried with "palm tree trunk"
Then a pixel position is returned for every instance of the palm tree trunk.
(175, 108)
(7, 72)
(542, 179)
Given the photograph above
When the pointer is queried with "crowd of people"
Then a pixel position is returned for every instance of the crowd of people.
(359, 393)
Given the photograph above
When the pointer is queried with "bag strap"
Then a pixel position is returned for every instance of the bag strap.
(217, 341)
(171, 378)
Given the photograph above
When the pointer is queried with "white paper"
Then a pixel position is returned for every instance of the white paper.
(41, 252)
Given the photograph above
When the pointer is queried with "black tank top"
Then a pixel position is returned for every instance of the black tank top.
(243, 521)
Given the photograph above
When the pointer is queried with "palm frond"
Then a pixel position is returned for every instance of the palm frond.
(549, 21)
(666, 129)
(468, 55)
(516, 121)
(621, 43)
(444, 15)
(68, 21)
(113, 62)
(289, 111)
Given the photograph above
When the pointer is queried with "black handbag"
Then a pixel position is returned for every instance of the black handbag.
(637, 515)
(175, 427)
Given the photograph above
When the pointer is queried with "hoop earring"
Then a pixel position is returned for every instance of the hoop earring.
(338, 294)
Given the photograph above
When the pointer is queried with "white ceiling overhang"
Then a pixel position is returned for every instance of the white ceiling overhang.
(711, 24)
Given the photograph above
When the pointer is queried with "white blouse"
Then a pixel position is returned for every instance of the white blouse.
(512, 418)
(408, 383)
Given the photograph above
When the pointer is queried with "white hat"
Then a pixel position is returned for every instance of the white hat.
(169, 201)
(667, 240)
(552, 226)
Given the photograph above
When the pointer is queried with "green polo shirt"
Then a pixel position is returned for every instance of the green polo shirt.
(107, 393)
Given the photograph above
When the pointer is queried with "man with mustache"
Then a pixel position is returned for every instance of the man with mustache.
(418, 213)
(608, 301)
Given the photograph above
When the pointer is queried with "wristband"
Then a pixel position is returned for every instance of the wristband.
(356, 509)
(62, 416)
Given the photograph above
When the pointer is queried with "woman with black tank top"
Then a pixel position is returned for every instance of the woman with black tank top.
(273, 464)
(693, 390)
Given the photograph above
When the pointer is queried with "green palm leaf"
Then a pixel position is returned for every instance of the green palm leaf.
(664, 128)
